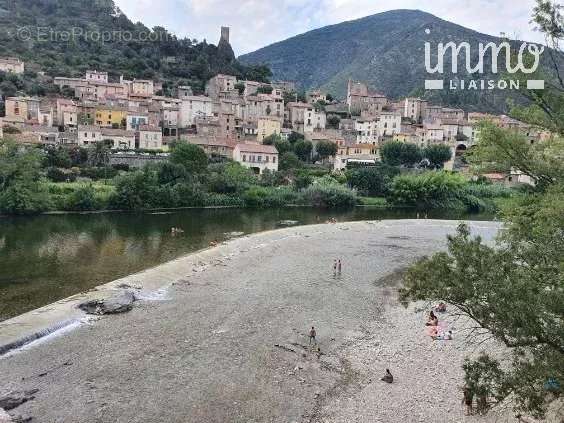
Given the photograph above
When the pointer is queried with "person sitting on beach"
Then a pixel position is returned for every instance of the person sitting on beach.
(433, 320)
(388, 378)
(441, 307)
(433, 331)
(445, 336)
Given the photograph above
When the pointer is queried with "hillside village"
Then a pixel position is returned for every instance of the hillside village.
(234, 117)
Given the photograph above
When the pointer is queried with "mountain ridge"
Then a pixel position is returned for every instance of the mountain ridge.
(385, 50)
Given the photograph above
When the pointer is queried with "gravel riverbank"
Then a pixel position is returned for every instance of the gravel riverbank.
(228, 342)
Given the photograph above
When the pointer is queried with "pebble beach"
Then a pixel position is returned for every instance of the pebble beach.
(226, 338)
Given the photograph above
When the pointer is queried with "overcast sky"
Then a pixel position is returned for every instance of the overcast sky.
(257, 23)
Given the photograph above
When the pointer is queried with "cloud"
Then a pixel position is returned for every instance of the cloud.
(257, 23)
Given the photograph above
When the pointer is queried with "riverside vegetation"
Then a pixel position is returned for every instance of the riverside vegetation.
(35, 180)
(514, 290)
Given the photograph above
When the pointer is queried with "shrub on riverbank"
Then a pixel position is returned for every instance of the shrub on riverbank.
(431, 190)
(270, 197)
(373, 180)
(327, 192)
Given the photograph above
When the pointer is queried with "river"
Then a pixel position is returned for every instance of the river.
(46, 258)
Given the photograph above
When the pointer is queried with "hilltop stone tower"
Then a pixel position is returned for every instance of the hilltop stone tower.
(224, 48)
(224, 34)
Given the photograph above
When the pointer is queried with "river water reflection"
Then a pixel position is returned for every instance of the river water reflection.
(46, 258)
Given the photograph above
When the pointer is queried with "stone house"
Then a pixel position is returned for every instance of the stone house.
(150, 137)
(267, 126)
(12, 65)
(21, 109)
(257, 157)
(184, 91)
(110, 117)
(367, 131)
(135, 120)
(314, 120)
(360, 97)
(414, 109)
(221, 86)
(356, 154)
(118, 138)
(97, 77)
(214, 146)
(88, 135)
(389, 123)
(193, 107)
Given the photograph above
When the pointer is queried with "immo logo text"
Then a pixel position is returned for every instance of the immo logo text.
(497, 51)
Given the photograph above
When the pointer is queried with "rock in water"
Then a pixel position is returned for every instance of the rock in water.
(119, 303)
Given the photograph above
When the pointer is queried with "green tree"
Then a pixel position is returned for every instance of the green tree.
(264, 89)
(437, 155)
(410, 155)
(192, 157)
(428, 190)
(294, 137)
(20, 174)
(99, 155)
(276, 140)
(240, 86)
(289, 161)
(391, 153)
(58, 157)
(326, 149)
(230, 178)
(333, 121)
(513, 290)
(303, 150)
(83, 199)
(373, 180)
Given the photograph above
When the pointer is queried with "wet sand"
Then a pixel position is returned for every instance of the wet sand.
(227, 341)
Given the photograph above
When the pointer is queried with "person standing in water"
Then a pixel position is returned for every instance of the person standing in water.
(339, 267)
(335, 267)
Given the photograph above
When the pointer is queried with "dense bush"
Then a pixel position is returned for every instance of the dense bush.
(20, 174)
(189, 195)
(289, 161)
(327, 192)
(191, 156)
(83, 199)
(397, 153)
(489, 191)
(134, 191)
(223, 200)
(230, 178)
(428, 190)
(56, 174)
(97, 173)
(269, 197)
(373, 180)
(24, 199)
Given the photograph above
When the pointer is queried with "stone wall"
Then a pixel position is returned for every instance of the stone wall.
(136, 160)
